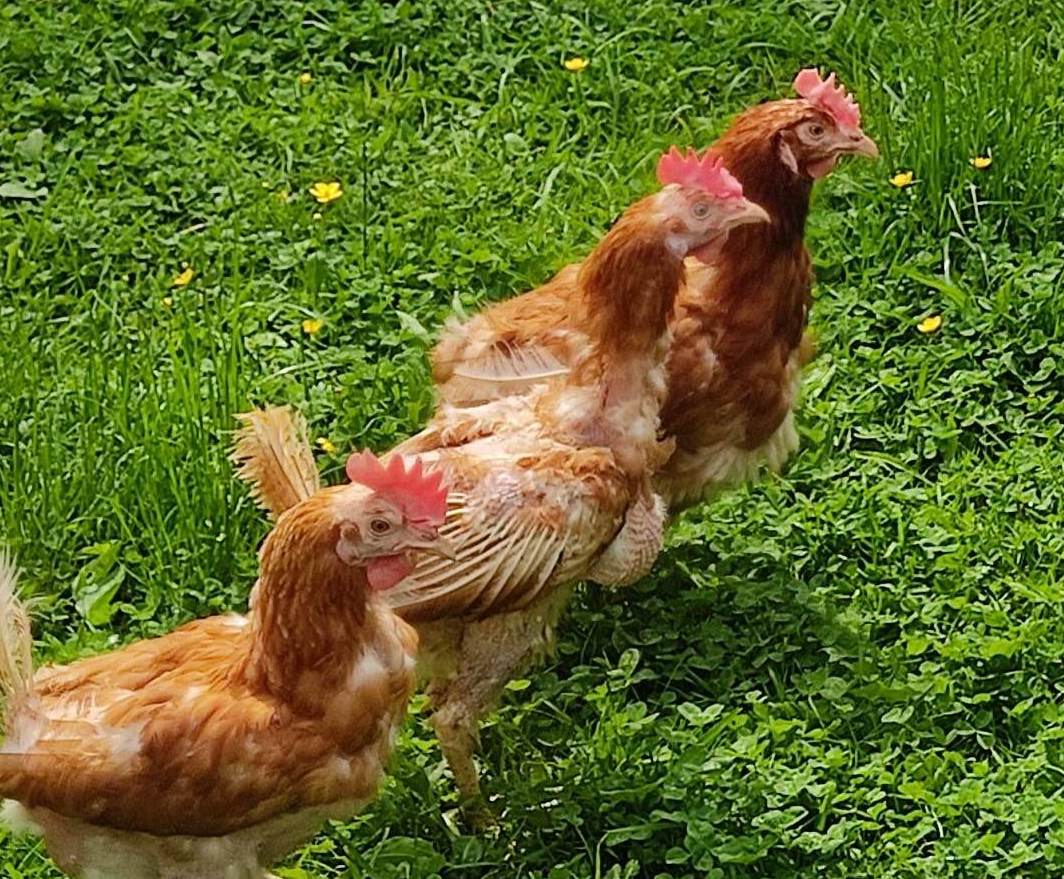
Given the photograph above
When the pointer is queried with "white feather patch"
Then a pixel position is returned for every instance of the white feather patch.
(366, 671)
(124, 740)
(15, 817)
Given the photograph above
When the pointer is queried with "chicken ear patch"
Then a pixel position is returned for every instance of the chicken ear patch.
(419, 493)
(787, 156)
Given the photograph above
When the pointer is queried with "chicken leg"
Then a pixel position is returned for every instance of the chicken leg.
(491, 652)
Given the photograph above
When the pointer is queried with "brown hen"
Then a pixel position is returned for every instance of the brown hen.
(736, 355)
(217, 749)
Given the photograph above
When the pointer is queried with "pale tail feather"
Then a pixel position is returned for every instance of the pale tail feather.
(503, 371)
(16, 643)
(273, 456)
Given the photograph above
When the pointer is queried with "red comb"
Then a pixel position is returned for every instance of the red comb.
(707, 173)
(833, 100)
(421, 495)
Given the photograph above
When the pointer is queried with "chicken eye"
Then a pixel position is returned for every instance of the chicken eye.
(815, 129)
(700, 210)
(380, 526)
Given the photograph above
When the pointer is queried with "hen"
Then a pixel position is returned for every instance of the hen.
(552, 487)
(735, 360)
(217, 749)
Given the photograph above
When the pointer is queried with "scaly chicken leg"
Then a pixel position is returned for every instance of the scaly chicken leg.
(480, 662)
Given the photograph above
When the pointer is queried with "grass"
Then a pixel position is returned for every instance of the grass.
(849, 671)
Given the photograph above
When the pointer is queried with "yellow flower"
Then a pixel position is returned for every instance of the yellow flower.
(326, 192)
(930, 324)
(305, 78)
(902, 179)
(168, 302)
(312, 326)
(980, 163)
(325, 445)
(575, 65)
(184, 278)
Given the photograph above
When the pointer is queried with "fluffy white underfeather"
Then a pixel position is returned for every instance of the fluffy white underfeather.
(124, 740)
(26, 729)
(366, 670)
(14, 817)
(699, 475)
(94, 852)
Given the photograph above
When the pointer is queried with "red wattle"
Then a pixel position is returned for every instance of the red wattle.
(387, 571)
(822, 168)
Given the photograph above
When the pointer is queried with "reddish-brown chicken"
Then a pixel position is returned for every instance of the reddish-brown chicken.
(553, 486)
(217, 749)
(736, 354)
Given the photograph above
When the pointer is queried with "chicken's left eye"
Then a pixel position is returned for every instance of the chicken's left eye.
(380, 526)
(816, 130)
(700, 210)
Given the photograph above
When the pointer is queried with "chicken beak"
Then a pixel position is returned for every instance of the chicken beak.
(749, 212)
(860, 144)
(437, 546)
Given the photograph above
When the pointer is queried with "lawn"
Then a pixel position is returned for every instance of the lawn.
(853, 670)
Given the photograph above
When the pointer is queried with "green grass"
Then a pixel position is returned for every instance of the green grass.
(850, 671)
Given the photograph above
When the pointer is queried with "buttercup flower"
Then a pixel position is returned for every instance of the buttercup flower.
(902, 179)
(305, 78)
(980, 163)
(575, 65)
(930, 324)
(326, 192)
(168, 302)
(184, 278)
(325, 445)
(312, 326)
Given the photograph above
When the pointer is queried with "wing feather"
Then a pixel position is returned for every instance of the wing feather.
(503, 563)
(630, 556)
(504, 369)
(537, 563)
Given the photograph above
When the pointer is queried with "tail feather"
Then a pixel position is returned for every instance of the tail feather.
(16, 643)
(16, 818)
(273, 456)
